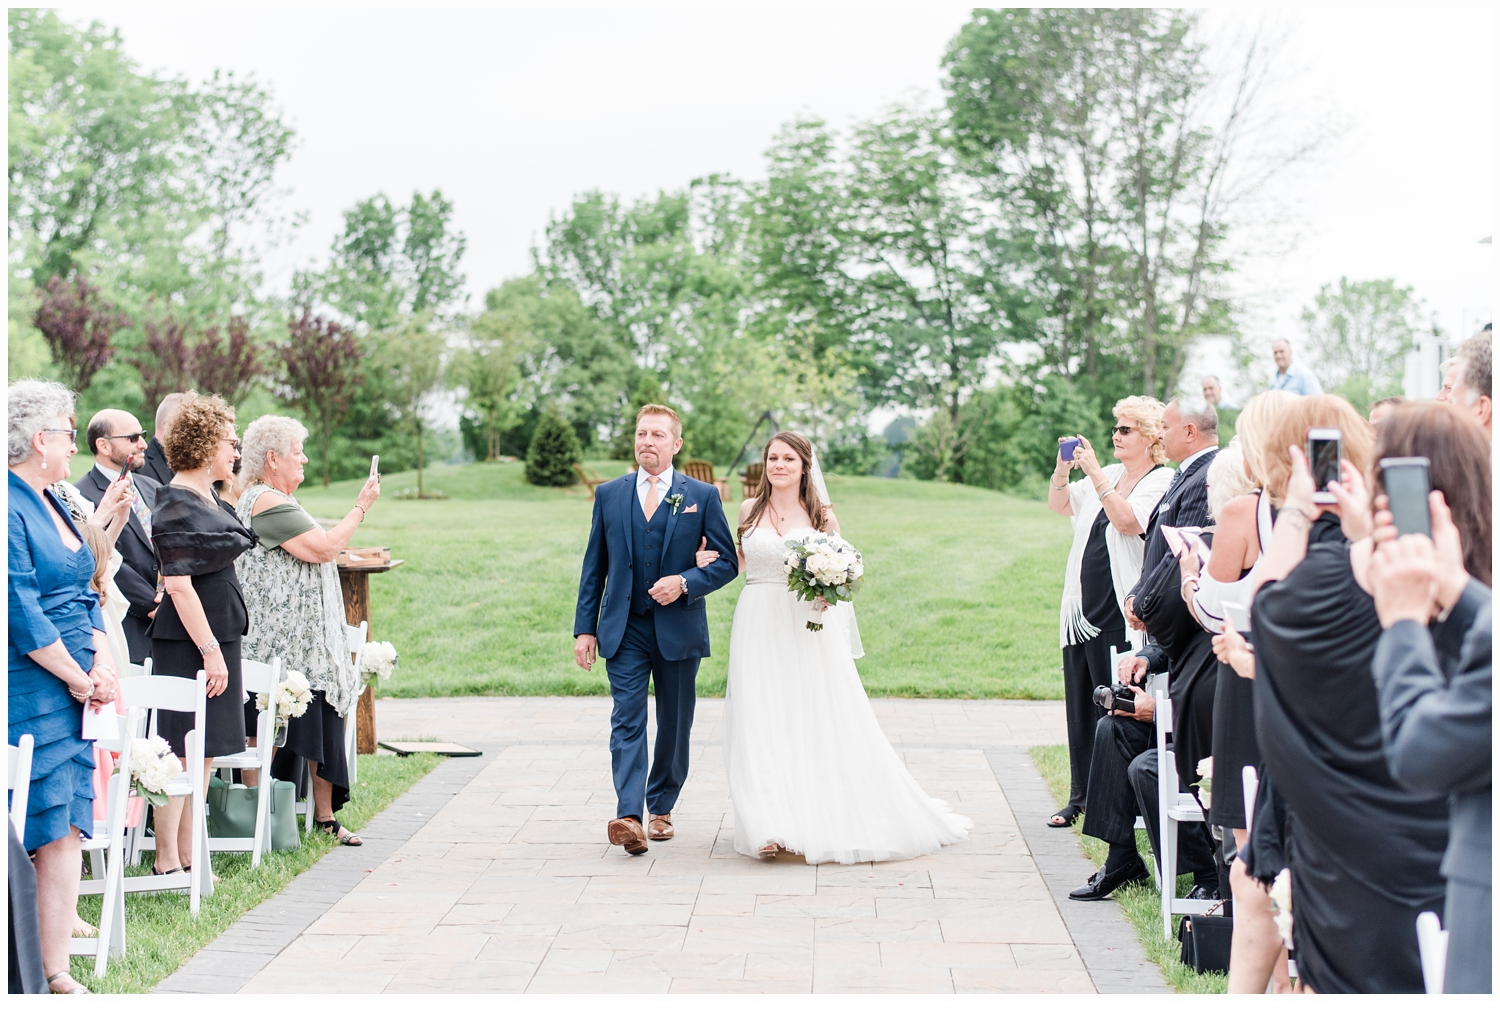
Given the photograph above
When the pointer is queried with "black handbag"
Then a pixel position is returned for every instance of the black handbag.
(1206, 940)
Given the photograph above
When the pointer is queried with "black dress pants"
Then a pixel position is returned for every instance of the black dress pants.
(1122, 785)
(1086, 667)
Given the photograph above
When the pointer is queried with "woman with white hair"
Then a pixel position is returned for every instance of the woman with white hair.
(57, 663)
(291, 586)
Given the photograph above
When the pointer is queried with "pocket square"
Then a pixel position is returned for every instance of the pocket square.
(692, 508)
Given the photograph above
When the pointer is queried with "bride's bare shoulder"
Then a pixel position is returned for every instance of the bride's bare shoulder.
(745, 508)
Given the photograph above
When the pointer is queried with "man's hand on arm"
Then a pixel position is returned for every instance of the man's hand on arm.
(585, 649)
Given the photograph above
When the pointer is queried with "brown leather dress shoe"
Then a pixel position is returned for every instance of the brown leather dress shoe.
(661, 827)
(627, 832)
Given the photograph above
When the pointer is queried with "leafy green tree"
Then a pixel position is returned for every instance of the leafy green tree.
(1359, 334)
(320, 373)
(411, 362)
(393, 261)
(553, 452)
(489, 370)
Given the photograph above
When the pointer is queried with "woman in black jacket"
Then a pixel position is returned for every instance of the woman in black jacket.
(202, 617)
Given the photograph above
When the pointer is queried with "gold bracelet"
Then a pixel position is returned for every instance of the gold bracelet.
(362, 513)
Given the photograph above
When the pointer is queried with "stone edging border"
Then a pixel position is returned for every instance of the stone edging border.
(1107, 942)
(229, 961)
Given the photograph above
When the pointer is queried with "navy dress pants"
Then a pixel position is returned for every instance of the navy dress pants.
(635, 665)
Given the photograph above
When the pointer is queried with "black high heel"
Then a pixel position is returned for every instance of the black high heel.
(1066, 817)
(339, 832)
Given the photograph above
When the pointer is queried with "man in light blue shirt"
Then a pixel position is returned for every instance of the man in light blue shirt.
(1289, 377)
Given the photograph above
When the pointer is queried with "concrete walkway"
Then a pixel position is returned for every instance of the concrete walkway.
(493, 875)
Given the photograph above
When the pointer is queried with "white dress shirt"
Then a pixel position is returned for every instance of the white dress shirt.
(643, 484)
(110, 475)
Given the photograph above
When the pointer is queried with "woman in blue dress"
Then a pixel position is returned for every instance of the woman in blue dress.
(56, 629)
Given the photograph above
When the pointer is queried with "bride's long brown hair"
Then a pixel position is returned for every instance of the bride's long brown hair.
(807, 493)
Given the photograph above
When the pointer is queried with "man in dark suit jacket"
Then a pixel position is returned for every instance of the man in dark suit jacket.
(641, 607)
(1123, 773)
(119, 446)
(1435, 718)
(155, 463)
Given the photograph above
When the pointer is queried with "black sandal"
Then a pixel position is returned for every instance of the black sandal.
(339, 832)
(1066, 817)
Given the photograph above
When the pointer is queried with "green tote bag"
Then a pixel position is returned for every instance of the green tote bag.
(284, 834)
(231, 812)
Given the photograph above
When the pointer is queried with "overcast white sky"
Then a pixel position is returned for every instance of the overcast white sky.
(511, 112)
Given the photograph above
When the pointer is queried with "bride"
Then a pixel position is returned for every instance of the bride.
(810, 770)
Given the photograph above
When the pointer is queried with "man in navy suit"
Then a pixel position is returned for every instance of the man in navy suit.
(641, 608)
(119, 447)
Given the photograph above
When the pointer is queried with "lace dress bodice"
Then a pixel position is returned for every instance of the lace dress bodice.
(765, 554)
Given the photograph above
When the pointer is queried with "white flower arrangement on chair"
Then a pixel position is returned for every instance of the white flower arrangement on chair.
(378, 658)
(293, 696)
(152, 767)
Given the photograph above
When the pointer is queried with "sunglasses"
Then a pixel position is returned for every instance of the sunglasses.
(133, 437)
(1122, 430)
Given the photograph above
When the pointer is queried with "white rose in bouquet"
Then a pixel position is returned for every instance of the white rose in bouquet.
(822, 566)
(378, 658)
(152, 767)
(292, 697)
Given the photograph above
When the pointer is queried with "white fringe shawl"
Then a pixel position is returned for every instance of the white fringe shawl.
(1126, 552)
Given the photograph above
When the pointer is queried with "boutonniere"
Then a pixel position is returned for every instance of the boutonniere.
(675, 501)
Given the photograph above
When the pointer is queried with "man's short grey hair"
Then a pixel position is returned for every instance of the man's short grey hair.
(1197, 412)
(1281, 340)
(1473, 358)
(164, 412)
(32, 405)
(271, 433)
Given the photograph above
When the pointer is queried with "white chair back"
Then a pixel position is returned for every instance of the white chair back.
(137, 670)
(357, 636)
(18, 781)
(1251, 781)
(1174, 806)
(1432, 944)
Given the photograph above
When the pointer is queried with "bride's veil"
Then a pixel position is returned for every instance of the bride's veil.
(856, 648)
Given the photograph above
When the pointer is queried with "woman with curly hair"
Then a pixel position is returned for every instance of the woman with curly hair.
(202, 618)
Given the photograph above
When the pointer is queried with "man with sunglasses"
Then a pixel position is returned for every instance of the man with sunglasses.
(118, 443)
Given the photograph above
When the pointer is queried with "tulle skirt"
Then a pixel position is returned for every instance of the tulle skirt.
(809, 767)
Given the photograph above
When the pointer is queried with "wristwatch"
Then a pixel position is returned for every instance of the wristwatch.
(684, 585)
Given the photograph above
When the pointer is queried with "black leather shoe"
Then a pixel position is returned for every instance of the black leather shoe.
(1102, 884)
(1203, 893)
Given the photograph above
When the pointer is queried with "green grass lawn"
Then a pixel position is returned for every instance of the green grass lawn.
(1141, 904)
(161, 936)
(960, 597)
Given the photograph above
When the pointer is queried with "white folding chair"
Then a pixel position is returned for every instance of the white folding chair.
(356, 637)
(136, 670)
(256, 677)
(1432, 945)
(18, 781)
(1174, 807)
(106, 854)
(183, 696)
(1251, 782)
(1115, 657)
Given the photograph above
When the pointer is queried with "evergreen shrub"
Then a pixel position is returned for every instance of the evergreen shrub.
(554, 450)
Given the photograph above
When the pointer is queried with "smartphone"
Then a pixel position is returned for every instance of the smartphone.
(1407, 486)
(1067, 447)
(1325, 449)
(1238, 615)
(375, 466)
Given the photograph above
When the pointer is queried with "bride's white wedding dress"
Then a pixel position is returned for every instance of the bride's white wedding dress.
(809, 767)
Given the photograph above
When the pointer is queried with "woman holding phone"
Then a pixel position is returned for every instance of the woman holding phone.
(291, 585)
(1110, 511)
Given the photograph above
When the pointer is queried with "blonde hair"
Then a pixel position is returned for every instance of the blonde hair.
(99, 544)
(661, 409)
(1290, 429)
(1146, 412)
(1227, 478)
(1254, 424)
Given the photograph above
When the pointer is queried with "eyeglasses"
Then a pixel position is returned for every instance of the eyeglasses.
(1122, 430)
(236, 443)
(133, 437)
(72, 432)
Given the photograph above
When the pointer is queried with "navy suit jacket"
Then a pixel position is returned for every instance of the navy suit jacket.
(1437, 728)
(605, 585)
(137, 576)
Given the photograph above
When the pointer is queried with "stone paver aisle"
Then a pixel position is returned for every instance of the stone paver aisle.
(511, 887)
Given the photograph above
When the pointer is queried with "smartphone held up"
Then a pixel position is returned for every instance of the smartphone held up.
(1067, 447)
(1407, 486)
(1325, 451)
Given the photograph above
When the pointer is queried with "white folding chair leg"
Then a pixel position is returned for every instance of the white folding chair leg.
(1432, 945)
(1251, 781)
(351, 744)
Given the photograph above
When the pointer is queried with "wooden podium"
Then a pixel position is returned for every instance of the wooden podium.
(355, 580)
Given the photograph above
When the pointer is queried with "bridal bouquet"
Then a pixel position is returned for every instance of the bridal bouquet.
(378, 658)
(823, 566)
(292, 697)
(152, 767)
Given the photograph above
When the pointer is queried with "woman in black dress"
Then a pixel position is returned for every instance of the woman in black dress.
(202, 616)
(1364, 852)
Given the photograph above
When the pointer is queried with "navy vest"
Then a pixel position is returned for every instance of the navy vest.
(646, 542)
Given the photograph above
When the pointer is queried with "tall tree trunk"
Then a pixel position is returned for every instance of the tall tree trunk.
(420, 492)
